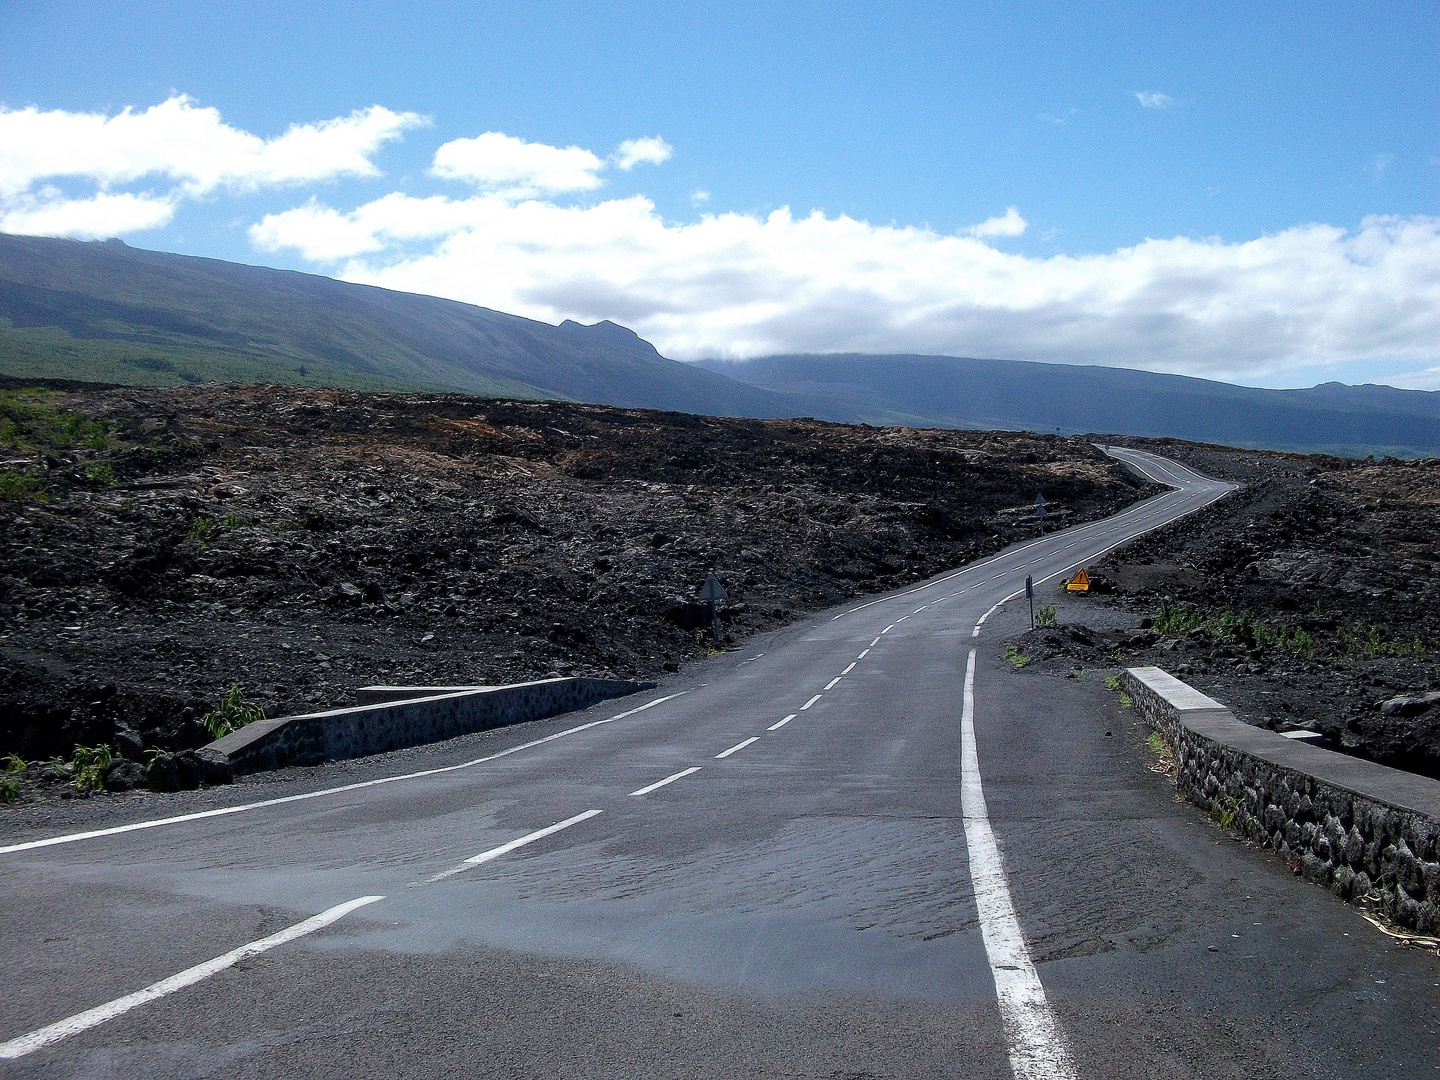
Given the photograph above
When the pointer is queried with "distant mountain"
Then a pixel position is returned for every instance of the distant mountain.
(947, 391)
(112, 313)
(107, 312)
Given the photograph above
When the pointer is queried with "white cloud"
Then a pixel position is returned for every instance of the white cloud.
(742, 285)
(498, 162)
(1154, 99)
(187, 145)
(48, 213)
(184, 150)
(652, 150)
(699, 197)
(1009, 223)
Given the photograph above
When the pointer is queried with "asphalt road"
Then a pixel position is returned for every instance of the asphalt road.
(880, 853)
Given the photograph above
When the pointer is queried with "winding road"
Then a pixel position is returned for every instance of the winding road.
(864, 847)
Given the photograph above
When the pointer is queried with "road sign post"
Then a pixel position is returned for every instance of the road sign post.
(1030, 595)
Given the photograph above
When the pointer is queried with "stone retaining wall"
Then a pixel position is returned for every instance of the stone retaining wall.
(375, 728)
(1367, 832)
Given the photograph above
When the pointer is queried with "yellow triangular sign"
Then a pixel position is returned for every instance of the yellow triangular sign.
(1080, 582)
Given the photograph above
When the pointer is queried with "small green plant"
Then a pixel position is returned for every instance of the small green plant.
(88, 765)
(1015, 656)
(200, 529)
(9, 788)
(1226, 811)
(100, 473)
(13, 763)
(1045, 615)
(231, 714)
(1112, 682)
(1126, 701)
(233, 520)
(15, 484)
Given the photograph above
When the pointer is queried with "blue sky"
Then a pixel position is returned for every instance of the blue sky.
(1224, 124)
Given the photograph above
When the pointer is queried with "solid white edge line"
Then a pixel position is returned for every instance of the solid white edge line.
(155, 823)
(833, 682)
(738, 746)
(1036, 1046)
(668, 780)
(73, 1025)
(981, 622)
(518, 842)
(782, 723)
(812, 701)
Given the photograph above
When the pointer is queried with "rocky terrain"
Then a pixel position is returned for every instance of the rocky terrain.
(1306, 600)
(158, 546)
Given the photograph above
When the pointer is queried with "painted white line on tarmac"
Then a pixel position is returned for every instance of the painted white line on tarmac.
(812, 701)
(873, 644)
(901, 619)
(832, 683)
(863, 653)
(518, 842)
(155, 823)
(738, 746)
(782, 723)
(888, 628)
(668, 780)
(851, 667)
(73, 1025)
(1036, 1046)
(996, 607)
(919, 609)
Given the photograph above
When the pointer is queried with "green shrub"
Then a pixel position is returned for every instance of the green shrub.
(1045, 615)
(12, 763)
(231, 714)
(200, 529)
(15, 484)
(100, 473)
(9, 788)
(88, 764)
(1015, 656)
(1112, 682)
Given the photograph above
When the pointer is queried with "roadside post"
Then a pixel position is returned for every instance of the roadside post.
(711, 593)
(1030, 595)
(1040, 510)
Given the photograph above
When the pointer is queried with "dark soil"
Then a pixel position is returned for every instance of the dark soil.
(1305, 600)
(157, 545)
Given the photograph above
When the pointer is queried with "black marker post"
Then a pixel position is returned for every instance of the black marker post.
(1030, 595)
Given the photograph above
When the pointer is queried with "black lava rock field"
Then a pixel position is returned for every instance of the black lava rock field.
(159, 546)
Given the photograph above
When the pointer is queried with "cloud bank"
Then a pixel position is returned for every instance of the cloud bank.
(533, 234)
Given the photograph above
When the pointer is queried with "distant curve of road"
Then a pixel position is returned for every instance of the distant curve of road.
(861, 848)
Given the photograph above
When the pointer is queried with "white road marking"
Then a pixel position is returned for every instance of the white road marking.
(1036, 1046)
(996, 607)
(873, 644)
(812, 701)
(863, 653)
(851, 667)
(155, 823)
(831, 684)
(518, 842)
(901, 619)
(919, 609)
(668, 780)
(63, 1029)
(738, 746)
(888, 628)
(782, 723)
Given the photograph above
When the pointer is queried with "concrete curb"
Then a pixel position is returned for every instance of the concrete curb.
(1369, 833)
(423, 715)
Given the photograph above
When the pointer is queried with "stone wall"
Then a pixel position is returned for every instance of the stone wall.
(1366, 832)
(375, 728)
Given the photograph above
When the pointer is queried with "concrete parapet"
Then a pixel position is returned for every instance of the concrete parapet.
(428, 714)
(1370, 833)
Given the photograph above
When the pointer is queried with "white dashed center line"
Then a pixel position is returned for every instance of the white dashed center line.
(782, 723)
(668, 780)
(812, 701)
(873, 644)
(831, 684)
(851, 667)
(738, 746)
(864, 653)
(519, 842)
